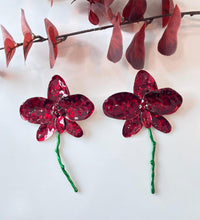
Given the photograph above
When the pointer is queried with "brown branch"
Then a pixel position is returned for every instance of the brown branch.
(63, 37)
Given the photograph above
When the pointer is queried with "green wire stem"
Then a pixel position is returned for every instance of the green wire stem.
(62, 166)
(152, 161)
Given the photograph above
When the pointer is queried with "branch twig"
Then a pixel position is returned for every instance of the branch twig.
(63, 37)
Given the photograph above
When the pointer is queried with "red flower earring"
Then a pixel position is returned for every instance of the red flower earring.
(145, 107)
(59, 111)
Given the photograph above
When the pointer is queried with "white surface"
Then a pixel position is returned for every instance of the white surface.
(112, 173)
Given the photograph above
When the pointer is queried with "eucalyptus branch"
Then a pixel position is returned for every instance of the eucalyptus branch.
(63, 37)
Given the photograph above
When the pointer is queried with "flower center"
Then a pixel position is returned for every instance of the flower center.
(58, 111)
(143, 106)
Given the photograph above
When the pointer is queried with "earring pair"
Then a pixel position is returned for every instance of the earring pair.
(60, 111)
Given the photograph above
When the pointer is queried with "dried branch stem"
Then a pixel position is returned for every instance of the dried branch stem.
(63, 37)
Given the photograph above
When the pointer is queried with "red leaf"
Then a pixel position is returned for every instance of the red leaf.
(135, 53)
(52, 34)
(9, 45)
(28, 35)
(168, 42)
(116, 45)
(167, 8)
(93, 18)
(134, 10)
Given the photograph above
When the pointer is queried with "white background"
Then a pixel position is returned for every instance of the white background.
(111, 172)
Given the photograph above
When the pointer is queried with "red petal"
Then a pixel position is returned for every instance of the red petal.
(45, 131)
(116, 46)
(52, 34)
(168, 43)
(122, 105)
(93, 18)
(135, 53)
(163, 101)
(161, 123)
(57, 88)
(60, 124)
(77, 107)
(9, 45)
(28, 35)
(131, 127)
(134, 10)
(37, 110)
(144, 83)
(146, 118)
(73, 128)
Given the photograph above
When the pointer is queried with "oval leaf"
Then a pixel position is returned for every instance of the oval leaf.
(168, 42)
(93, 18)
(134, 10)
(28, 35)
(52, 34)
(9, 45)
(167, 8)
(135, 53)
(116, 46)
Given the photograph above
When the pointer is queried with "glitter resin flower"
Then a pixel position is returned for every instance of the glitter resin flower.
(58, 112)
(145, 107)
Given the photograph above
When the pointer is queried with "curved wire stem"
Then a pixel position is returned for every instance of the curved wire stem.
(62, 166)
(63, 37)
(152, 161)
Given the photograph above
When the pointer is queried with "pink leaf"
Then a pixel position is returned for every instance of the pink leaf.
(52, 34)
(167, 8)
(116, 46)
(168, 42)
(134, 10)
(135, 53)
(9, 45)
(28, 35)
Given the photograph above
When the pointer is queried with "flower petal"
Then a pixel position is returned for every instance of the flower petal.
(135, 53)
(123, 105)
(60, 124)
(45, 131)
(160, 123)
(9, 45)
(57, 88)
(73, 128)
(146, 119)
(134, 10)
(168, 42)
(77, 107)
(52, 33)
(131, 127)
(163, 101)
(37, 110)
(144, 83)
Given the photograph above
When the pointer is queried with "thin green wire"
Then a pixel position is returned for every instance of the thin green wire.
(62, 166)
(152, 161)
